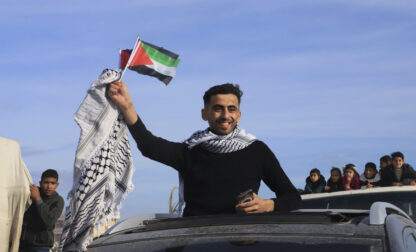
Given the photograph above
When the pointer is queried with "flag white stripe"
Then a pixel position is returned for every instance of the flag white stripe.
(165, 70)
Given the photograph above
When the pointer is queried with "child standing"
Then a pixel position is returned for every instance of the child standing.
(334, 183)
(350, 180)
(370, 178)
(315, 183)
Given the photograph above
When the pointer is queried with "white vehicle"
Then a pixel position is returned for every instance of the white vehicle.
(380, 227)
(403, 197)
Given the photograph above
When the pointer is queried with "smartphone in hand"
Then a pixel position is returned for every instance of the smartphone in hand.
(245, 196)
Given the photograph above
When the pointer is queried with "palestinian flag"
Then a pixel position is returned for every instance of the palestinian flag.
(151, 60)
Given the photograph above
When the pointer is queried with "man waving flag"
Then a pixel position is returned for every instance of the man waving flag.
(149, 59)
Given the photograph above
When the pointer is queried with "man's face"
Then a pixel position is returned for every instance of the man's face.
(369, 173)
(222, 113)
(314, 177)
(48, 185)
(398, 162)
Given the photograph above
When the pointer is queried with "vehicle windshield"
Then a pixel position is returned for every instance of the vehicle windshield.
(405, 200)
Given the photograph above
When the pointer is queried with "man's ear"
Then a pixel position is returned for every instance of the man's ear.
(204, 115)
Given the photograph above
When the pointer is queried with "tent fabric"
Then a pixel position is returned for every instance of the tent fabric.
(15, 199)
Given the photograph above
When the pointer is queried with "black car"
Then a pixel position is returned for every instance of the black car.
(381, 228)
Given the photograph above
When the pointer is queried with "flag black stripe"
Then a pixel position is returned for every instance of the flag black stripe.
(151, 72)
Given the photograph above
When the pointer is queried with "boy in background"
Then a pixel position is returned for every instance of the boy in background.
(384, 162)
(334, 183)
(39, 220)
(398, 173)
(370, 177)
(315, 183)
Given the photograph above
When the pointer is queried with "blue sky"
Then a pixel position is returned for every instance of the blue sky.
(326, 82)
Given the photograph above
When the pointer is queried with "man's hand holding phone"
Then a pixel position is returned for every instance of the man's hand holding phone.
(250, 202)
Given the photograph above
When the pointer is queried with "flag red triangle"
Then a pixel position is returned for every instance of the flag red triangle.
(141, 58)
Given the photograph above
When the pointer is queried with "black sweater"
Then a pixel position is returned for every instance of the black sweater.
(212, 181)
(39, 221)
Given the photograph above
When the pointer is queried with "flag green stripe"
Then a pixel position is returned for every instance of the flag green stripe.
(160, 57)
(162, 50)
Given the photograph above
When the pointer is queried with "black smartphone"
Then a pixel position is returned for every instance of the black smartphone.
(245, 196)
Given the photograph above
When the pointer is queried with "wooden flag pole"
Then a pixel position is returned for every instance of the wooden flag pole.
(133, 52)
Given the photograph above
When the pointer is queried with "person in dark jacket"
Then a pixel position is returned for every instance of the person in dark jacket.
(315, 183)
(398, 173)
(384, 162)
(334, 183)
(39, 220)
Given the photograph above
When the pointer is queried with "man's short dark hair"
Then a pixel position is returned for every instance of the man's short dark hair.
(371, 165)
(385, 159)
(50, 173)
(226, 88)
(397, 154)
(315, 170)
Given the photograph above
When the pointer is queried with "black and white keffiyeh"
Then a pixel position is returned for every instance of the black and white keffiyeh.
(237, 140)
(103, 167)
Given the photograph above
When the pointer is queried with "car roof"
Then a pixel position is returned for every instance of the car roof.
(306, 227)
(379, 227)
(154, 222)
(165, 221)
(359, 191)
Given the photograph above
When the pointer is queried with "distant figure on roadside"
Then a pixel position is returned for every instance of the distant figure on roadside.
(39, 220)
(334, 183)
(384, 162)
(370, 177)
(315, 183)
(398, 173)
(351, 179)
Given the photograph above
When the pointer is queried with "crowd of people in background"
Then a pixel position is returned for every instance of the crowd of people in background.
(393, 172)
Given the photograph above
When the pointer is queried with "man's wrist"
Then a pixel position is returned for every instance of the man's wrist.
(270, 205)
(130, 116)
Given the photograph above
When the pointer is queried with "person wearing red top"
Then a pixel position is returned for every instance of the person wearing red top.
(351, 179)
